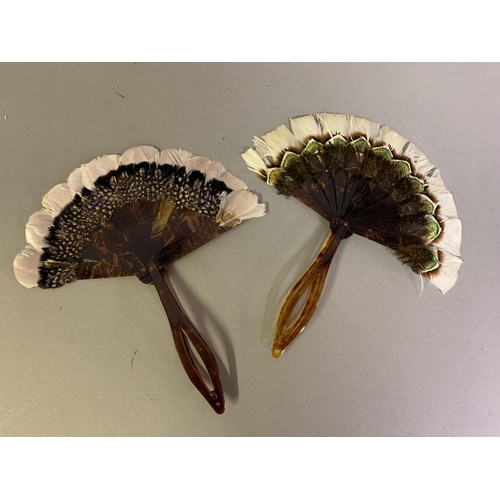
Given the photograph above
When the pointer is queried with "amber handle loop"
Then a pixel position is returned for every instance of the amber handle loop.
(313, 280)
(182, 330)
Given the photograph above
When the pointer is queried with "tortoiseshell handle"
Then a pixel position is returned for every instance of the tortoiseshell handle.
(312, 280)
(182, 330)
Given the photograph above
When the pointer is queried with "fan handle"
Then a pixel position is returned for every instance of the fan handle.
(313, 280)
(182, 330)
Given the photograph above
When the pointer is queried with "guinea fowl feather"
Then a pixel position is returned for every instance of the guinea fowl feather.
(75, 213)
(133, 215)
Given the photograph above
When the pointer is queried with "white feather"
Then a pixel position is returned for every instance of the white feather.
(418, 158)
(435, 182)
(412, 152)
(451, 239)
(447, 207)
(175, 157)
(139, 154)
(97, 168)
(422, 165)
(333, 123)
(262, 149)
(393, 139)
(421, 285)
(420, 161)
(232, 182)
(37, 228)
(280, 139)
(75, 180)
(404, 147)
(254, 161)
(238, 206)
(448, 272)
(57, 198)
(211, 168)
(363, 125)
(26, 266)
(213, 174)
(304, 128)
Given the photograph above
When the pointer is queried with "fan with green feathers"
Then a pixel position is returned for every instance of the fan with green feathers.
(366, 180)
(133, 215)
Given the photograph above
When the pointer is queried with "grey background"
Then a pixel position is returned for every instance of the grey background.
(375, 360)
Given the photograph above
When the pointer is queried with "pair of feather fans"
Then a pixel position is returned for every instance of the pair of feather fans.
(136, 213)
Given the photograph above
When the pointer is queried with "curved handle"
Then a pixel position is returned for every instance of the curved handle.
(313, 280)
(182, 330)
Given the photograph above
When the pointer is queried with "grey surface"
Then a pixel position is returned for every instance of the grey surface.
(375, 360)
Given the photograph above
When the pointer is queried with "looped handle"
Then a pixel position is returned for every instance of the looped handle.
(313, 280)
(182, 330)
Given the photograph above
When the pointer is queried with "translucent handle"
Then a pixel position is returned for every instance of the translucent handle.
(182, 330)
(312, 280)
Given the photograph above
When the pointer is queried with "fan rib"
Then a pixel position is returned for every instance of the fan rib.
(351, 190)
(369, 202)
(304, 196)
(391, 214)
(318, 195)
(358, 197)
(328, 186)
(340, 186)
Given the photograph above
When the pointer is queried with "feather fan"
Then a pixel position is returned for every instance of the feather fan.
(133, 215)
(367, 180)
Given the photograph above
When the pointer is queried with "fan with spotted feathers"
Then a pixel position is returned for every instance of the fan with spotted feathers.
(367, 180)
(135, 214)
